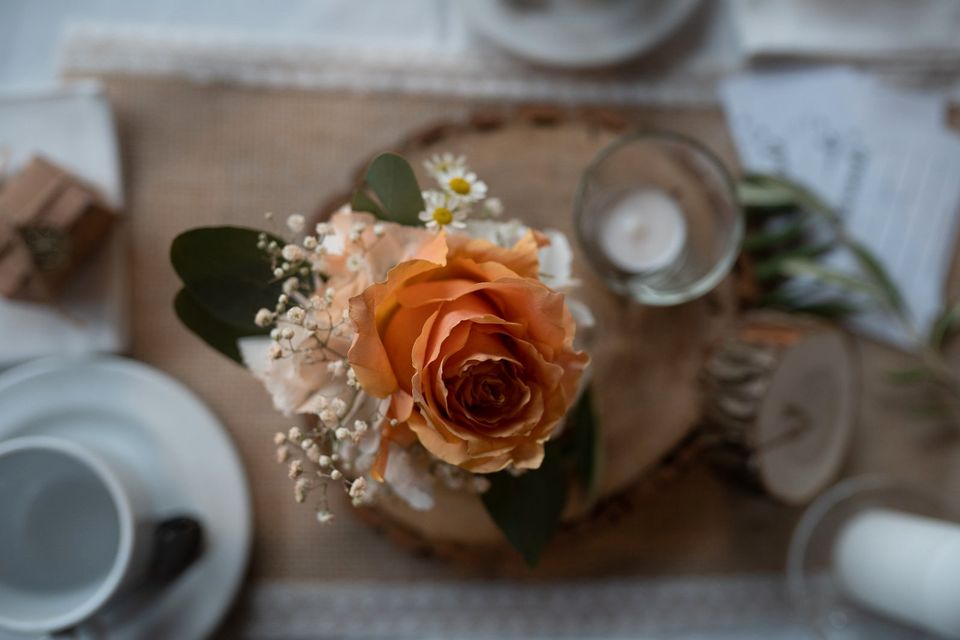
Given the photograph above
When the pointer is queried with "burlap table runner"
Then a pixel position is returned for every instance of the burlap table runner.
(212, 154)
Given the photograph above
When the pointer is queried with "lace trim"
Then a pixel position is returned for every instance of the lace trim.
(206, 55)
(739, 607)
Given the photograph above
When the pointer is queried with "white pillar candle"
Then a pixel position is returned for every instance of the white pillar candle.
(645, 231)
(903, 566)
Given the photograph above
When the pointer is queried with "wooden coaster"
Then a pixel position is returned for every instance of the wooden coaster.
(645, 361)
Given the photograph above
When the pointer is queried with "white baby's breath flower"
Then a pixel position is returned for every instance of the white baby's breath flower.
(463, 184)
(360, 426)
(275, 352)
(339, 405)
(324, 516)
(379, 230)
(336, 367)
(295, 470)
(292, 253)
(290, 286)
(355, 262)
(324, 461)
(296, 223)
(440, 164)
(323, 228)
(286, 333)
(310, 242)
(263, 318)
(492, 207)
(295, 435)
(342, 433)
(278, 273)
(442, 209)
(336, 474)
(296, 315)
(358, 488)
(300, 489)
(279, 438)
(480, 484)
(329, 417)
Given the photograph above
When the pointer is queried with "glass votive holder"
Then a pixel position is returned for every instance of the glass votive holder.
(866, 558)
(657, 216)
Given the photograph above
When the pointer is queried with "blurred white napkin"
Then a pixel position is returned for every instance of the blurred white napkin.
(882, 30)
(73, 126)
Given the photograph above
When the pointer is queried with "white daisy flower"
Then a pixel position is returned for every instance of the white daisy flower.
(463, 185)
(442, 210)
(440, 164)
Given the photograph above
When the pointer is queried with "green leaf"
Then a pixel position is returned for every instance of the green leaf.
(912, 375)
(766, 240)
(221, 336)
(225, 273)
(584, 448)
(774, 267)
(527, 508)
(770, 191)
(393, 181)
(871, 266)
(362, 201)
(756, 192)
(802, 267)
(945, 325)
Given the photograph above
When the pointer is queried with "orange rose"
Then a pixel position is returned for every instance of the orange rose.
(475, 352)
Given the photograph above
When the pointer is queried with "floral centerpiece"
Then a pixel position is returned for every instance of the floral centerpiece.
(427, 339)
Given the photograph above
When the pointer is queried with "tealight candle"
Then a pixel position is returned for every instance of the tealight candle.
(904, 566)
(645, 231)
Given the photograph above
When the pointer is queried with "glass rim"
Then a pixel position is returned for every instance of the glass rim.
(709, 280)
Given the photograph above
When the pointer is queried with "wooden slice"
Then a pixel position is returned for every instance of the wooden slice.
(645, 361)
(780, 403)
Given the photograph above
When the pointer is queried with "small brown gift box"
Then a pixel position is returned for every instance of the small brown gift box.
(56, 220)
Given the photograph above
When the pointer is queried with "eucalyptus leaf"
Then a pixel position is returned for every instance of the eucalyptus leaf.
(362, 201)
(221, 336)
(527, 507)
(393, 181)
(225, 273)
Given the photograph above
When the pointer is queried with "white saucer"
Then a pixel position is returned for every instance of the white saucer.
(577, 33)
(142, 417)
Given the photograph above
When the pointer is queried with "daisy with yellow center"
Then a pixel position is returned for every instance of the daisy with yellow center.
(441, 210)
(464, 185)
(440, 164)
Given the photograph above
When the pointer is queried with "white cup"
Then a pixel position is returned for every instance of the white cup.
(74, 534)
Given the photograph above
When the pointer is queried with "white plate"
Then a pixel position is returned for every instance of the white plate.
(577, 33)
(141, 417)
(73, 126)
